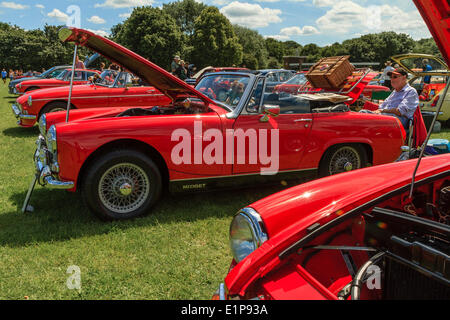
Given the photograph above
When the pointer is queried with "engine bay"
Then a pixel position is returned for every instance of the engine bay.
(184, 106)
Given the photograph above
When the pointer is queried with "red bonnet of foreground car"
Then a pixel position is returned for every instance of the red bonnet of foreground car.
(292, 214)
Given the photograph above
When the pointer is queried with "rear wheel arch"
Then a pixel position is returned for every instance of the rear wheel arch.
(137, 145)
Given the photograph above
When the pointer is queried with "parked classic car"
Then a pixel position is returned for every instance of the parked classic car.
(375, 233)
(111, 89)
(48, 74)
(63, 79)
(430, 92)
(122, 158)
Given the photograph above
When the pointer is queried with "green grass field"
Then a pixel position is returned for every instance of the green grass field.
(178, 252)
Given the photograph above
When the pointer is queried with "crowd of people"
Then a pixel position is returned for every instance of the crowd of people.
(13, 74)
(182, 69)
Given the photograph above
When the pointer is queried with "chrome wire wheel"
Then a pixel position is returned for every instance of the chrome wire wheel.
(344, 159)
(124, 188)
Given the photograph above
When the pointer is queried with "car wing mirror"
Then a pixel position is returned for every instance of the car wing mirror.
(269, 110)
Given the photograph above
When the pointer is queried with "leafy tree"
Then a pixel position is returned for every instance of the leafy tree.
(312, 52)
(152, 33)
(275, 49)
(253, 46)
(185, 12)
(427, 46)
(214, 41)
(273, 63)
(292, 48)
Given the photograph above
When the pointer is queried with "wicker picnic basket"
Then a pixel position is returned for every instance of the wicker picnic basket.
(330, 72)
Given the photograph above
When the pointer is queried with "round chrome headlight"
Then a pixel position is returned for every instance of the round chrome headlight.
(51, 139)
(30, 101)
(43, 125)
(247, 233)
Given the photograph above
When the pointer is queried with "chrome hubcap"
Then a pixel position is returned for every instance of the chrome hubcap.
(344, 159)
(123, 188)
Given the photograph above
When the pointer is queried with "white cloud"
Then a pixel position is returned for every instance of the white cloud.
(125, 15)
(40, 6)
(347, 16)
(124, 3)
(278, 37)
(296, 31)
(96, 20)
(13, 5)
(60, 16)
(102, 33)
(250, 15)
(323, 3)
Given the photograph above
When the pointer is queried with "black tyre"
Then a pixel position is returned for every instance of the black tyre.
(121, 184)
(342, 158)
(54, 107)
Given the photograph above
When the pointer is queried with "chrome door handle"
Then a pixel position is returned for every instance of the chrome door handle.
(303, 120)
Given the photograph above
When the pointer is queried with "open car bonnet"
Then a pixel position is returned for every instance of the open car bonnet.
(141, 67)
(412, 63)
(436, 14)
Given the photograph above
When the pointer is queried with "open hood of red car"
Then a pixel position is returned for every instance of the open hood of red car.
(146, 70)
(436, 14)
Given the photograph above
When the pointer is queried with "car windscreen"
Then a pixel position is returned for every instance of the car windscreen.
(46, 73)
(298, 79)
(227, 89)
(62, 75)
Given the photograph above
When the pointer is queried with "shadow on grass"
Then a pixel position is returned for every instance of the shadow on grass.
(60, 215)
(10, 98)
(22, 132)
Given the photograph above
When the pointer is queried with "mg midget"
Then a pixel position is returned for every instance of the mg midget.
(121, 159)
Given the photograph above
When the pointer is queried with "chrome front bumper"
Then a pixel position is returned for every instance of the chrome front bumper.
(19, 115)
(46, 168)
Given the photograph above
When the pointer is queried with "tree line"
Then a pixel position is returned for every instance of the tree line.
(201, 35)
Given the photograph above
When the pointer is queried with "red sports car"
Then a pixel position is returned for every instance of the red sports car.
(122, 158)
(111, 89)
(367, 234)
(63, 79)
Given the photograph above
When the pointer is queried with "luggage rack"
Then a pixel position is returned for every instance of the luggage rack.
(366, 72)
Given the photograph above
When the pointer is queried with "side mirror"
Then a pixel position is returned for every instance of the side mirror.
(269, 110)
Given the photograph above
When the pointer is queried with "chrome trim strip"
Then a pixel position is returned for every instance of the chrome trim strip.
(240, 175)
(102, 97)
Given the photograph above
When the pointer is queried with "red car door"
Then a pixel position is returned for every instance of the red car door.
(294, 126)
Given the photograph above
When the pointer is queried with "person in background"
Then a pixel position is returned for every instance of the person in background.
(11, 75)
(102, 66)
(385, 77)
(181, 72)
(191, 70)
(403, 101)
(426, 67)
(78, 63)
(4, 75)
(174, 65)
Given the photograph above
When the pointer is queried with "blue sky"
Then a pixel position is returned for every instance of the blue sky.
(306, 21)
